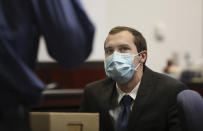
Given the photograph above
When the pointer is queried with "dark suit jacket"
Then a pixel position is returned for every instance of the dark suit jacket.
(154, 109)
(68, 34)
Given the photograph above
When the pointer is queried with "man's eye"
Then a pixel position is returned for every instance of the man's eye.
(109, 51)
(124, 49)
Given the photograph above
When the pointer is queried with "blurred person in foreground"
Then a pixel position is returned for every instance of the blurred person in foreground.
(132, 97)
(68, 34)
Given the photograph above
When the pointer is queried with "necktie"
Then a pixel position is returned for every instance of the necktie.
(124, 114)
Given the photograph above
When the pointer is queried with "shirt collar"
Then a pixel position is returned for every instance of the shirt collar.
(132, 94)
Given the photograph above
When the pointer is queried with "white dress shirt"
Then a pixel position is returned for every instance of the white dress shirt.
(114, 113)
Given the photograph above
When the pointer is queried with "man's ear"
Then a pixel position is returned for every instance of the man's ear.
(143, 56)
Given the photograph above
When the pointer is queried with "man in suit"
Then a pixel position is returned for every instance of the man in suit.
(68, 34)
(132, 97)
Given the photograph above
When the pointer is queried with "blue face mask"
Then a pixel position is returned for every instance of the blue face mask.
(120, 66)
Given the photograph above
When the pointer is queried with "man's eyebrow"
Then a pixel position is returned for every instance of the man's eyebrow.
(120, 45)
(123, 45)
(107, 47)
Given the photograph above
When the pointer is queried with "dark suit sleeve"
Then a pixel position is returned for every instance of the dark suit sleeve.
(85, 102)
(66, 28)
(17, 77)
(190, 105)
(89, 100)
(174, 121)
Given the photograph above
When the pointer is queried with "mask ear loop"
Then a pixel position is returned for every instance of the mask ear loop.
(136, 68)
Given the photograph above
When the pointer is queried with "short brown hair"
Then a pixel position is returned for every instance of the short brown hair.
(139, 40)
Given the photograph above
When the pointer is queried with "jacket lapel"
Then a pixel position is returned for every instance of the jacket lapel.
(144, 92)
(109, 101)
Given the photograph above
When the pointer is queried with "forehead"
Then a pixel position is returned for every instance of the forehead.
(123, 37)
